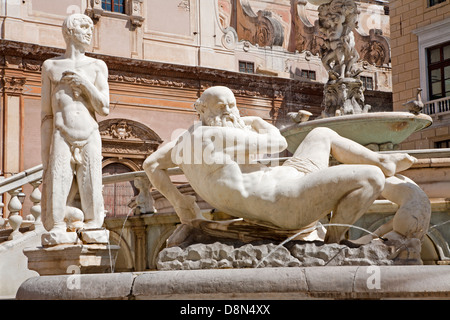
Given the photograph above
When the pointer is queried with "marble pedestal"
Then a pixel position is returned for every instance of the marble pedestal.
(71, 258)
(85, 251)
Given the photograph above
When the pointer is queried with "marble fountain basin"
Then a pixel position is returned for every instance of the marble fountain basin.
(367, 128)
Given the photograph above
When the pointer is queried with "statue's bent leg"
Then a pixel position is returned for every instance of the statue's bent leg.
(364, 185)
(321, 142)
(58, 181)
(345, 190)
(89, 177)
(412, 218)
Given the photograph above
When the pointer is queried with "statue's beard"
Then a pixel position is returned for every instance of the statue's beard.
(226, 120)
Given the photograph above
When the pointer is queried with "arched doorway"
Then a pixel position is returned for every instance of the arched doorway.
(117, 195)
(125, 146)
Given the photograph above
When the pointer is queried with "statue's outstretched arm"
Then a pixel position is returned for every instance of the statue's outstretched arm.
(156, 166)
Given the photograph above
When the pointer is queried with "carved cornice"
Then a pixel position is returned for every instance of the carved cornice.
(151, 73)
(285, 94)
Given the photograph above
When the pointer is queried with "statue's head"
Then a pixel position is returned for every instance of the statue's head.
(78, 28)
(217, 107)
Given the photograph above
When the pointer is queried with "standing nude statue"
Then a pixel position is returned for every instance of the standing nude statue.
(216, 158)
(74, 89)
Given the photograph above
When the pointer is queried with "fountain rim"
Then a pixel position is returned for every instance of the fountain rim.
(371, 116)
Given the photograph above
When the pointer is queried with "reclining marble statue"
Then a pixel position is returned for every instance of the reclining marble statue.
(74, 89)
(217, 158)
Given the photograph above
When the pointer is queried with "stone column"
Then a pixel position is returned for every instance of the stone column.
(140, 247)
(12, 133)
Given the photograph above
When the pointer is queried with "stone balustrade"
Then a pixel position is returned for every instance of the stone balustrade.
(437, 107)
(13, 223)
(14, 187)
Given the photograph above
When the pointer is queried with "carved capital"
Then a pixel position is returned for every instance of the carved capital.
(13, 84)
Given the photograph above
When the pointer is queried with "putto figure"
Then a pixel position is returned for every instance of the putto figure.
(337, 19)
(74, 88)
(216, 158)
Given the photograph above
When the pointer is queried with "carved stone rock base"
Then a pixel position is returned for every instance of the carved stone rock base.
(84, 236)
(52, 238)
(94, 236)
(64, 259)
(219, 255)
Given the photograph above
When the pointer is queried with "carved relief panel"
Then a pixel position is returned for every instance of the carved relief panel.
(128, 139)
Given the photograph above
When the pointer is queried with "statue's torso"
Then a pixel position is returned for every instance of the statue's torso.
(73, 113)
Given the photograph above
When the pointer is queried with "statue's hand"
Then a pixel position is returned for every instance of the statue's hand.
(75, 81)
(187, 209)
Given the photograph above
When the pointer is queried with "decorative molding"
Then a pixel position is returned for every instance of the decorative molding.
(13, 84)
(133, 9)
(373, 48)
(229, 38)
(136, 13)
(128, 137)
(184, 4)
(94, 10)
(259, 29)
(307, 35)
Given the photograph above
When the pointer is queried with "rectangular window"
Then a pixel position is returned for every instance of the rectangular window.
(442, 144)
(367, 82)
(246, 67)
(114, 5)
(308, 74)
(439, 71)
(434, 2)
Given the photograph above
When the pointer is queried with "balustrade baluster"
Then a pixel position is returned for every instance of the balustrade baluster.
(2, 220)
(14, 219)
(35, 197)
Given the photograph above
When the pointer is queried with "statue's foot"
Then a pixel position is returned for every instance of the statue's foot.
(404, 251)
(393, 163)
(74, 218)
